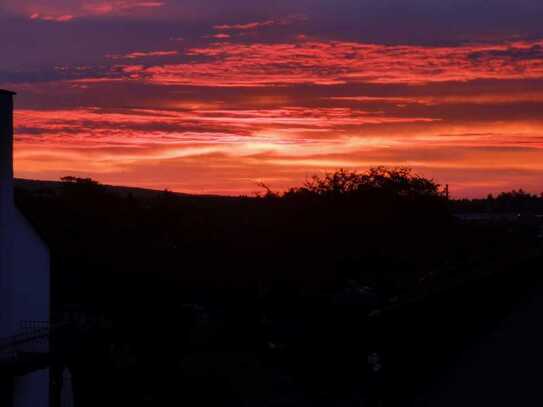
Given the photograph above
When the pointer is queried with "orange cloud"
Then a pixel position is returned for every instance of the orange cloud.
(232, 149)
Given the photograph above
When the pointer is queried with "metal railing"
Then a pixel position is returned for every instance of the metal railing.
(32, 336)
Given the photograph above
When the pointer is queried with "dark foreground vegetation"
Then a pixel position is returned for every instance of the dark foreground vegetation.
(350, 290)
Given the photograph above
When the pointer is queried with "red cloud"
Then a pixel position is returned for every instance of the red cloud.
(239, 123)
(221, 36)
(335, 63)
(260, 24)
(533, 96)
(142, 54)
(248, 26)
(58, 19)
(68, 11)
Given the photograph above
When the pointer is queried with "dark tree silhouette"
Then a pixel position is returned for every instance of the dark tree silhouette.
(80, 181)
(391, 181)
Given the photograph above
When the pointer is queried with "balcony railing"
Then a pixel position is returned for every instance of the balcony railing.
(31, 337)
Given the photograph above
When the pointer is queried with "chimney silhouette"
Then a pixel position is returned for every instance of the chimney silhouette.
(6, 158)
(6, 143)
(6, 148)
(7, 208)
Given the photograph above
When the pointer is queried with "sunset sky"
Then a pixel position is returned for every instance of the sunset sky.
(214, 96)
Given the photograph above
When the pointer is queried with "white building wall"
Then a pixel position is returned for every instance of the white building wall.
(30, 275)
(29, 305)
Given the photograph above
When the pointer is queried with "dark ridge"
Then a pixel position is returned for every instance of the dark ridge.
(38, 186)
